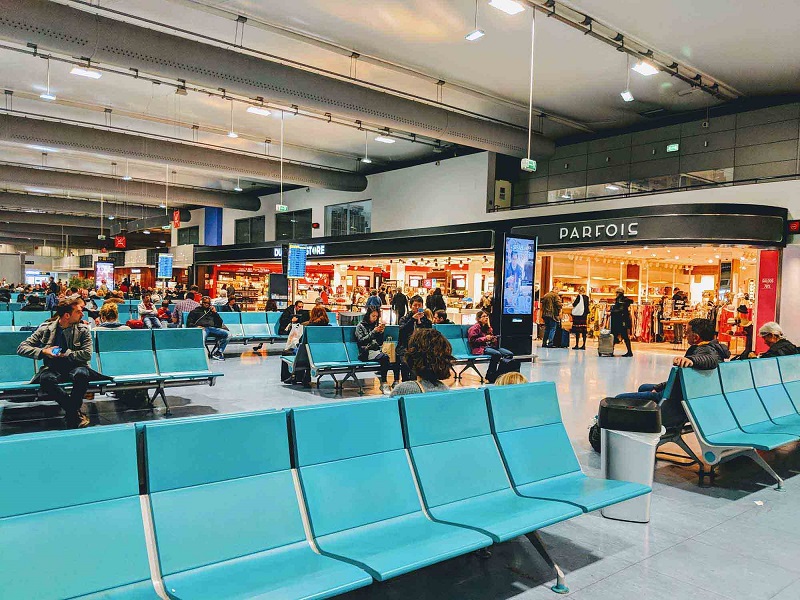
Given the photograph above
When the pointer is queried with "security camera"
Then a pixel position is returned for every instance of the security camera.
(438, 162)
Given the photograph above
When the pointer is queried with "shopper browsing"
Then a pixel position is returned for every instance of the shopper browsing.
(580, 312)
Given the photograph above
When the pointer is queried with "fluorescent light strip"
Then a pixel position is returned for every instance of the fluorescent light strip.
(86, 72)
(475, 35)
(366, 160)
(385, 140)
(258, 110)
(507, 6)
(644, 68)
(47, 96)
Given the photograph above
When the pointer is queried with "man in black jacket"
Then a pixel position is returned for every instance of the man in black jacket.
(400, 303)
(415, 319)
(703, 354)
(293, 314)
(206, 317)
(772, 334)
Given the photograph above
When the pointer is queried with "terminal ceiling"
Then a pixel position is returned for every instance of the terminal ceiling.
(405, 47)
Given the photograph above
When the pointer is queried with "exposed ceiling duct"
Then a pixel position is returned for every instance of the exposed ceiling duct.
(90, 208)
(33, 216)
(63, 136)
(63, 29)
(135, 191)
(140, 224)
(55, 230)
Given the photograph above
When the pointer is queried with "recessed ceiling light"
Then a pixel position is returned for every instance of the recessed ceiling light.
(644, 68)
(86, 72)
(628, 252)
(510, 7)
(259, 110)
(627, 96)
(475, 35)
(162, 206)
(126, 178)
(47, 96)
(711, 261)
(612, 188)
(163, 241)
(110, 217)
(385, 139)
(146, 232)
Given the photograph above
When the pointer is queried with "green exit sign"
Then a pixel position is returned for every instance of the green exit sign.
(281, 208)
(673, 147)
(528, 165)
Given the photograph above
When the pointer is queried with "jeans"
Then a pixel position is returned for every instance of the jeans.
(550, 326)
(647, 391)
(71, 403)
(496, 354)
(222, 336)
(151, 322)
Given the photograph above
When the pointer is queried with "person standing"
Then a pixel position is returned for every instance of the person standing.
(621, 320)
(373, 300)
(64, 345)
(580, 311)
(436, 301)
(400, 304)
(551, 313)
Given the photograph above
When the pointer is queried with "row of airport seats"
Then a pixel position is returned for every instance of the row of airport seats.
(220, 510)
(246, 327)
(742, 407)
(333, 351)
(17, 319)
(134, 360)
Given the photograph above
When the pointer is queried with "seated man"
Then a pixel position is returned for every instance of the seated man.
(148, 312)
(206, 316)
(704, 353)
(440, 318)
(34, 304)
(64, 345)
(292, 315)
(772, 334)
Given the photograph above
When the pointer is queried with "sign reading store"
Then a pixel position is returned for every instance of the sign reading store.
(311, 250)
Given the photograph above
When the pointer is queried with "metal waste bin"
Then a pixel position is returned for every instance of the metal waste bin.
(629, 456)
(629, 435)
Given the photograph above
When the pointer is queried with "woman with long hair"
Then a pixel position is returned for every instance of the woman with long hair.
(580, 312)
(482, 340)
(369, 338)
(318, 317)
(430, 358)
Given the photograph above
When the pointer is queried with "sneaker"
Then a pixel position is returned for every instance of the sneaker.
(217, 356)
(83, 421)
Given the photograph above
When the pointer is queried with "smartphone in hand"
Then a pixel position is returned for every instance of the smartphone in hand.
(55, 351)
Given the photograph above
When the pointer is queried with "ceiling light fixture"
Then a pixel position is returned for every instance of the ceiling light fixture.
(126, 177)
(510, 7)
(476, 33)
(645, 68)
(384, 139)
(86, 71)
(366, 158)
(238, 187)
(47, 95)
(231, 132)
(626, 94)
(259, 110)
(146, 232)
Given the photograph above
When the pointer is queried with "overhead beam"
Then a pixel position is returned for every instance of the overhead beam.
(81, 33)
(117, 189)
(76, 206)
(70, 137)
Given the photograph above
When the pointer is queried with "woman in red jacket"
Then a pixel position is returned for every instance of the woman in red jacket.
(483, 341)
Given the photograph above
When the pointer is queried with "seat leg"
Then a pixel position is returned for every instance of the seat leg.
(471, 365)
(561, 586)
(756, 457)
(160, 393)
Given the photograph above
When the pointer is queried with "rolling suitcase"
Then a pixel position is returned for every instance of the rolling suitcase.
(605, 345)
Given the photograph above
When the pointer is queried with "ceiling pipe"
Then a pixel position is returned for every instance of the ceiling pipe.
(63, 136)
(63, 29)
(75, 206)
(116, 188)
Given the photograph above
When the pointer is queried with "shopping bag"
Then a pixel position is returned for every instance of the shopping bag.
(389, 348)
(566, 323)
(295, 333)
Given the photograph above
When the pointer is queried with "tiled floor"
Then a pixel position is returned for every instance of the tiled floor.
(737, 540)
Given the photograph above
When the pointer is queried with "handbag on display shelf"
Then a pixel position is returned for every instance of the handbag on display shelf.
(389, 348)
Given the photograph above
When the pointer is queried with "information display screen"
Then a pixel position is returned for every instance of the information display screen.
(104, 271)
(296, 268)
(519, 265)
(164, 266)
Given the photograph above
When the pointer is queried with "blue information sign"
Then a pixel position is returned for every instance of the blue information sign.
(297, 261)
(164, 266)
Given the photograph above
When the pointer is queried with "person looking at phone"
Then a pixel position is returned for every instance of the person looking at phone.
(482, 340)
(413, 320)
(64, 345)
(291, 316)
(369, 337)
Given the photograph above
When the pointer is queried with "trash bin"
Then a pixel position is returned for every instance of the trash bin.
(629, 433)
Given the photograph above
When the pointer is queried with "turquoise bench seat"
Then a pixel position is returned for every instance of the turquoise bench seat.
(773, 395)
(180, 357)
(360, 493)
(526, 420)
(461, 474)
(789, 367)
(745, 404)
(228, 524)
(457, 336)
(72, 528)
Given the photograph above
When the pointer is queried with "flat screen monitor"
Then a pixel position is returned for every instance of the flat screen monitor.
(519, 265)
(104, 271)
(164, 266)
(296, 268)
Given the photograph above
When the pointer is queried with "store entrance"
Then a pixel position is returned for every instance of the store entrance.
(669, 285)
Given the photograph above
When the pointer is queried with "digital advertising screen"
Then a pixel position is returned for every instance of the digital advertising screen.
(296, 268)
(519, 265)
(104, 271)
(164, 270)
